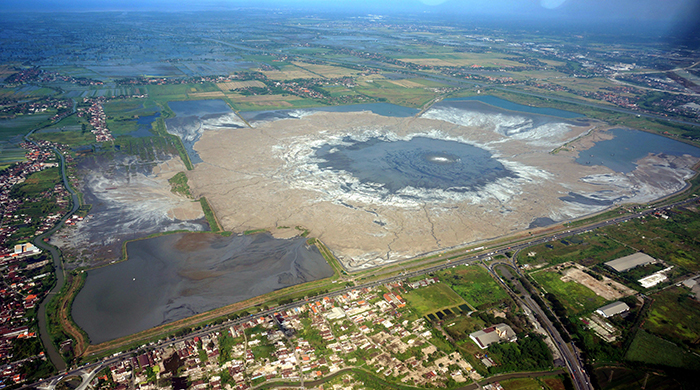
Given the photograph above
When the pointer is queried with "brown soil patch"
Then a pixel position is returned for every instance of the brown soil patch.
(206, 94)
(240, 84)
(606, 288)
(193, 242)
(407, 84)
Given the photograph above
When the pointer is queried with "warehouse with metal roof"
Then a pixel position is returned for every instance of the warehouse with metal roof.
(612, 309)
(628, 262)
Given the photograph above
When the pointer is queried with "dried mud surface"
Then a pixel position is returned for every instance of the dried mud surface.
(267, 177)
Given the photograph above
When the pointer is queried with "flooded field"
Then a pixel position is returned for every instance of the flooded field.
(256, 118)
(130, 199)
(175, 276)
(628, 146)
(193, 118)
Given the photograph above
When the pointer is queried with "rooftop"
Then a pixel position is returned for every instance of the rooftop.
(613, 309)
(494, 334)
(628, 262)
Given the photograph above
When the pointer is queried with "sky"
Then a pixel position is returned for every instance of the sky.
(624, 9)
(678, 17)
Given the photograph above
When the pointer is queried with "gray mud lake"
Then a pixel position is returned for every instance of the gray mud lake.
(421, 163)
(175, 276)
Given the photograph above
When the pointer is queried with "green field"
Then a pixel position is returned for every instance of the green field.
(676, 316)
(587, 249)
(38, 182)
(541, 383)
(675, 239)
(433, 298)
(460, 328)
(474, 284)
(619, 378)
(577, 298)
(178, 91)
(22, 124)
(10, 153)
(73, 138)
(649, 349)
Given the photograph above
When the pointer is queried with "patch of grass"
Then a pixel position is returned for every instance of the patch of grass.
(391, 93)
(37, 183)
(462, 326)
(554, 382)
(674, 314)
(651, 349)
(593, 249)
(264, 351)
(577, 299)
(72, 138)
(521, 384)
(159, 129)
(22, 124)
(432, 298)
(178, 185)
(621, 378)
(178, 91)
(474, 284)
(254, 231)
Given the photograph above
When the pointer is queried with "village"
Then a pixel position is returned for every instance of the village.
(97, 118)
(363, 330)
(27, 272)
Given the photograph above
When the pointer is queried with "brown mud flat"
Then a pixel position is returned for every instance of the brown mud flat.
(274, 181)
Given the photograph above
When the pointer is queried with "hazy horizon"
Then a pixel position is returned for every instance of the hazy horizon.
(674, 21)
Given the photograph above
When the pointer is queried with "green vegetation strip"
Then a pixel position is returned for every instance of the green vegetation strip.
(159, 128)
(209, 214)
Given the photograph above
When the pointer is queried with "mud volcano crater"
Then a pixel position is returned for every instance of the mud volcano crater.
(421, 163)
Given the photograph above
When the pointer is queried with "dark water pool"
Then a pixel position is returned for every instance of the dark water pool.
(175, 276)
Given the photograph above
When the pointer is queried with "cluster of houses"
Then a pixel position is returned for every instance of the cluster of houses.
(37, 106)
(36, 74)
(191, 80)
(38, 157)
(360, 328)
(21, 290)
(97, 118)
(23, 267)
